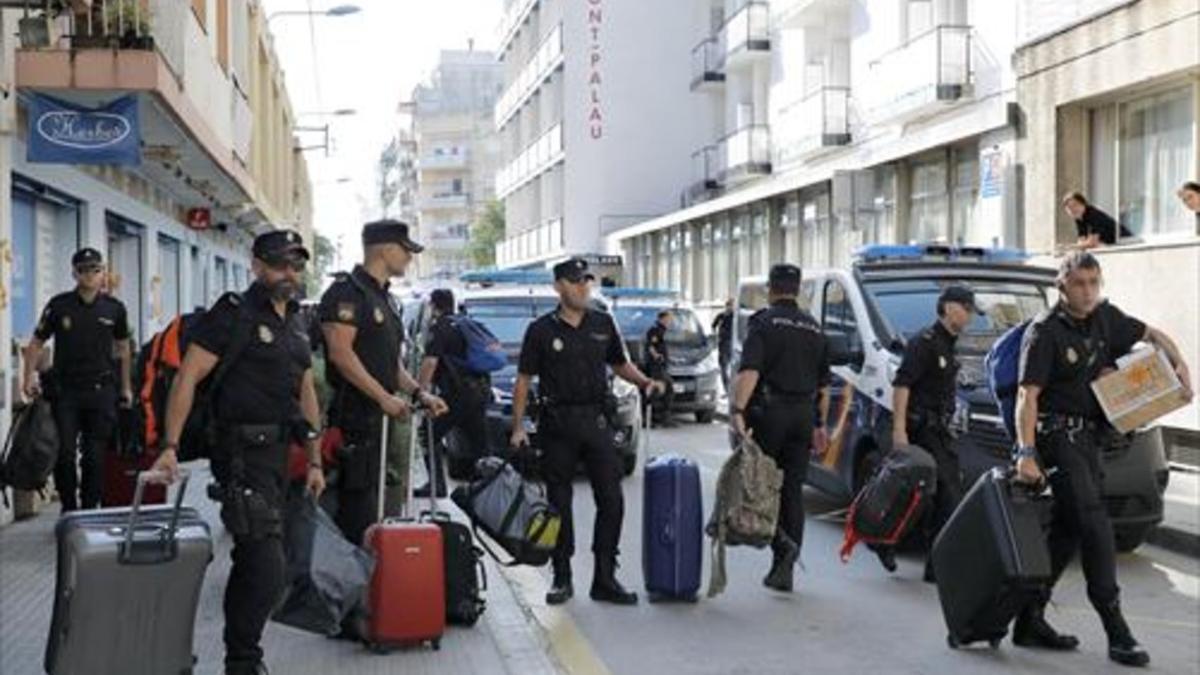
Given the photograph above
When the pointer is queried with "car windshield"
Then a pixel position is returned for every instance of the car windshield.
(910, 305)
(508, 318)
(635, 320)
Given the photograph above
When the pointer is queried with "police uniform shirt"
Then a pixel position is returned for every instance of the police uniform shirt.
(83, 334)
(263, 386)
(1063, 355)
(785, 345)
(930, 370)
(656, 339)
(367, 306)
(570, 362)
(445, 342)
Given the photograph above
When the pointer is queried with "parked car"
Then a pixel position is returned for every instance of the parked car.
(871, 310)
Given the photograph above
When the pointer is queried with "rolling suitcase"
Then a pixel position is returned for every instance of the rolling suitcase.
(120, 479)
(672, 544)
(407, 596)
(128, 585)
(991, 559)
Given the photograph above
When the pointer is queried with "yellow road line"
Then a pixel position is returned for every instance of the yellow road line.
(572, 650)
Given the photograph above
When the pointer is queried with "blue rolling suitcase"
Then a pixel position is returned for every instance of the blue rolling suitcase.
(671, 529)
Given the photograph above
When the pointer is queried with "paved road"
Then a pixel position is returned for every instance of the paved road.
(850, 618)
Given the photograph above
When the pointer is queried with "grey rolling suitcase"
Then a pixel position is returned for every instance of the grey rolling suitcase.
(127, 589)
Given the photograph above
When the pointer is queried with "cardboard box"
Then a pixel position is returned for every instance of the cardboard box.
(1142, 389)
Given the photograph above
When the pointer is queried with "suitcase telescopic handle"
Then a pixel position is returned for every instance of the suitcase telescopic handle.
(166, 536)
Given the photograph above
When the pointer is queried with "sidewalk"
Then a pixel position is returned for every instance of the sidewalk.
(504, 642)
(1180, 529)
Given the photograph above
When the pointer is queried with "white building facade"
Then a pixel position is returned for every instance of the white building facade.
(596, 122)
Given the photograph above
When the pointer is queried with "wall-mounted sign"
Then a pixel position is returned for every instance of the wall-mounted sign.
(595, 24)
(66, 133)
(199, 219)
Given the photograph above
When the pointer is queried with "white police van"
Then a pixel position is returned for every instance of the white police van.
(870, 310)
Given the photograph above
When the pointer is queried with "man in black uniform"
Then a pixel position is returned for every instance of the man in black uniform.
(923, 400)
(567, 350)
(87, 325)
(1060, 425)
(784, 369)
(657, 363)
(363, 334)
(266, 400)
(442, 366)
(722, 325)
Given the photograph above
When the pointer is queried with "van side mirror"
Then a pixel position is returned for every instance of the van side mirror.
(844, 352)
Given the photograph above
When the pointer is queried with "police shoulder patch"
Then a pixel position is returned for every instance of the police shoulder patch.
(345, 311)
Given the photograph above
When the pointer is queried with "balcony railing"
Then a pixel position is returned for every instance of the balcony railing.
(821, 119)
(538, 242)
(746, 32)
(540, 155)
(445, 200)
(512, 20)
(799, 13)
(545, 61)
(446, 160)
(928, 70)
(707, 62)
(705, 171)
(745, 153)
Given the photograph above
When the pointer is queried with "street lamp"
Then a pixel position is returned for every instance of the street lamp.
(340, 10)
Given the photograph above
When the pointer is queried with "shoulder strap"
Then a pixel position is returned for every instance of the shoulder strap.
(242, 334)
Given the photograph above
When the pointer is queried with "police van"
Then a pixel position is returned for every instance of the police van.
(886, 297)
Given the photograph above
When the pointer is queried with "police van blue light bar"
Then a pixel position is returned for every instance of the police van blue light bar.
(915, 252)
(631, 292)
(489, 277)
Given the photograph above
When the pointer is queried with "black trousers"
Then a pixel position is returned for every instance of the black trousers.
(86, 417)
(258, 577)
(662, 405)
(582, 433)
(1080, 520)
(468, 415)
(935, 439)
(784, 431)
(358, 481)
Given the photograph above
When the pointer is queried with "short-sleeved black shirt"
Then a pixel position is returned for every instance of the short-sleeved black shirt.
(445, 344)
(656, 339)
(723, 327)
(263, 385)
(84, 334)
(930, 370)
(357, 299)
(570, 362)
(786, 346)
(1062, 355)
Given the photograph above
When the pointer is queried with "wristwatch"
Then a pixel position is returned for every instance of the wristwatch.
(315, 465)
(416, 395)
(170, 445)
(1025, 452)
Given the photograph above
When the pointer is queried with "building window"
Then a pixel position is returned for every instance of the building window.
(1157, 153)
(721, 258)
(929, 203)
(759, 241)
(967, 226)
(789, 221)
(707, 288)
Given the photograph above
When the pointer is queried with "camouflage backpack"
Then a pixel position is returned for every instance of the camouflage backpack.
(747, 506)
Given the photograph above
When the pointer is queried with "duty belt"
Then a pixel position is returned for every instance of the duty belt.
(258, 434)
(1073, 425)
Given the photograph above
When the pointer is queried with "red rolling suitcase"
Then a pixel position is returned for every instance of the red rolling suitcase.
(123, 460)
(407, 596)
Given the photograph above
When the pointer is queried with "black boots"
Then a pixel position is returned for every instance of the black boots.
(561, 589)
(782, 566)
(1122, 648)
(605, 587)
(1031, 630)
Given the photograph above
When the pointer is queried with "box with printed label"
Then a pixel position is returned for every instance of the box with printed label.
(1142, 389)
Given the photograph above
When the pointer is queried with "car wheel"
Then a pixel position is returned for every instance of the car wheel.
(705, 416)
(864, 466)
(629, 464)
(1128, 539)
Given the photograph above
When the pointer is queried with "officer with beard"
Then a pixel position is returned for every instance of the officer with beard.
(266, 400)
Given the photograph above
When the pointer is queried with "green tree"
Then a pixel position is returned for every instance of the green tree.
(486, 232)
(314, 274)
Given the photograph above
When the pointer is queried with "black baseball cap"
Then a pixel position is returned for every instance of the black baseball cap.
(389, 231)
(960, 294)
(784, 276)
(573, 270)
(87, 256)
(278, 245)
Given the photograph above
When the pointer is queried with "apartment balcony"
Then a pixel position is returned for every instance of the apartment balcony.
(539, 243)
(744, 155)
(433, 161)
(707, 65)
(813, 124)
(706, 170)
(547, 59)
(542, 154)
(745, 38)
(923, 76)
(511, 22)
(806, 13)
(439, 201)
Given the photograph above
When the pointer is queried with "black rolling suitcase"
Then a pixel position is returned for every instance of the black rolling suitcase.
(128, 588)
(991, 558)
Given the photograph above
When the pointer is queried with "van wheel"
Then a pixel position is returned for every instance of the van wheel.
(1128, 539)
(864, 467)
(705, 416)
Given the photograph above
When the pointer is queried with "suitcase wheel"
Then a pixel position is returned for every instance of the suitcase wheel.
(436, 643)
(952, 641)
(994, 643)
(379, 649)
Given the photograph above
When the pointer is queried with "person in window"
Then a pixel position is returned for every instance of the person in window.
(1094, 227)
(1190, 195)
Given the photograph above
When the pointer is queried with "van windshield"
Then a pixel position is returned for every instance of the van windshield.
(910, 305)
(508, 319)
(635, 320)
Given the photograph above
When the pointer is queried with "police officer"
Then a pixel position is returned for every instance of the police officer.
(923, 400)
(363, 335)
(657, 363)
(782, 381)
(266, 400)
(722, 325)
(567, 350)
(442, 369)
(1060, 425)
(86, 325)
